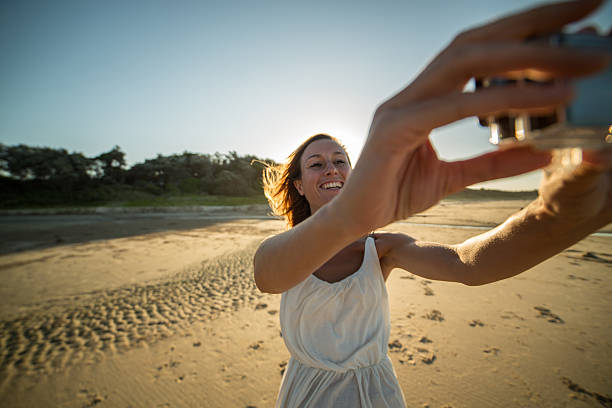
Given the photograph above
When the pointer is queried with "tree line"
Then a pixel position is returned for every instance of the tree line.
(44, 175)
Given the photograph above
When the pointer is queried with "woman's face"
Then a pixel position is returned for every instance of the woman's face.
(325, 169)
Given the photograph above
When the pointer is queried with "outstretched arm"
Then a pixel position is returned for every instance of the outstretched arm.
(570, 206)
(398, 173)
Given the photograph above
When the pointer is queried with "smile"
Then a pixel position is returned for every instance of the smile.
(332, 185)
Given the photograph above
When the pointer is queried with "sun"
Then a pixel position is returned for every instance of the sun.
(351, 137)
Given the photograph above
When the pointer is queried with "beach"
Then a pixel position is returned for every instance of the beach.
(159, 309)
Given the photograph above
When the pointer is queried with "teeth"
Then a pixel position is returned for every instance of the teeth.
(333, 184)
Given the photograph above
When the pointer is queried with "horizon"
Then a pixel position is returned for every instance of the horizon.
(128, 165)
(159, 78)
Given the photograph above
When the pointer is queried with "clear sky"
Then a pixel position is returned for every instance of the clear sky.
(257, 77)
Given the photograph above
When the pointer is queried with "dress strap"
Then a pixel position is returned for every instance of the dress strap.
(371, 261)
(370, 246)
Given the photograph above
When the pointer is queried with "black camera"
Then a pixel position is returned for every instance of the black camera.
(586, 123)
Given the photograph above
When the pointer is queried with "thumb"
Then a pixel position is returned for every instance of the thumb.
(495, 165)
(601, 159)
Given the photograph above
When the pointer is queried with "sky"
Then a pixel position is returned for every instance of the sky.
(255, 77)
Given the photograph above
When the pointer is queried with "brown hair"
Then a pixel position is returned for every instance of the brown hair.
(283, 197)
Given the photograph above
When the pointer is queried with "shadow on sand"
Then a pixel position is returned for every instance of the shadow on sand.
(28, 232)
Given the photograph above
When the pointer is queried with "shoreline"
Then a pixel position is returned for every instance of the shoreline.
(243, 209)
(205, 209)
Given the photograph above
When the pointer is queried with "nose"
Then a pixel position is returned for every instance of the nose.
(331, 169)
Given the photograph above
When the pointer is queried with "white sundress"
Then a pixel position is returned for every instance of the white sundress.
(337, 334)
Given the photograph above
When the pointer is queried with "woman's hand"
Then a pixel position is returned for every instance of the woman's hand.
(582, 196)
(399, 174)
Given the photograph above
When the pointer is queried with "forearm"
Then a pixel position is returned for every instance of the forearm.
(286, 259)
(523, 241)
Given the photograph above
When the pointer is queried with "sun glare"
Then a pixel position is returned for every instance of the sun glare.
(351, 137)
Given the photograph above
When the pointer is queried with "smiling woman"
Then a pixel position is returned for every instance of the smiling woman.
(296, 189)
(332, 270)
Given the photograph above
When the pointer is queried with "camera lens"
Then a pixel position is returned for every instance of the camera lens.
(541, 122)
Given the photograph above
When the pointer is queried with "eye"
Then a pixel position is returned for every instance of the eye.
(315, 165)
(340, 162)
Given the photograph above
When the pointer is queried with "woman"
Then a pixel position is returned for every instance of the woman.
(334, 310)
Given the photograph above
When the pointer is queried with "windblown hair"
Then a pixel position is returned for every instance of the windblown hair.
(283, 197)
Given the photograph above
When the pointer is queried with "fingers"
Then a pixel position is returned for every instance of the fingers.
(537, 21)
(425, 116)
(494, 165)
(451, 70)
(499, 48)
(495, 59)
(600, 159)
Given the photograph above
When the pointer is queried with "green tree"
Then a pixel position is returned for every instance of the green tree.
(112, 165)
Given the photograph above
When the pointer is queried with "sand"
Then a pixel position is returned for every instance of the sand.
(160, 310)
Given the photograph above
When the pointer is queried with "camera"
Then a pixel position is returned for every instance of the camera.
(586, 123)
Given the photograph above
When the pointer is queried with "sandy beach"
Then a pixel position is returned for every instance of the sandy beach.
(161, 310)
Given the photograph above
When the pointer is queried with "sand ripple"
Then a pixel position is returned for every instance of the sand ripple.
(83, 328)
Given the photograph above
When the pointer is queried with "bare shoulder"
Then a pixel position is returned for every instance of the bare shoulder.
(386, 243)
(264, 242)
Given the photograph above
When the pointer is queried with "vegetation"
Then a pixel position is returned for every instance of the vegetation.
(43, 177)
(34, 177)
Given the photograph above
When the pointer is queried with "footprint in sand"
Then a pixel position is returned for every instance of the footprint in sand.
(574, 277)
(93, 398)
(435, 315)
(604, 400)
(547, 314)
(407, 356)
(508, 314)
(427, 357)
(492, 350)
(395, 345)
(476, 323)
(282, 365)
(589, 256)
